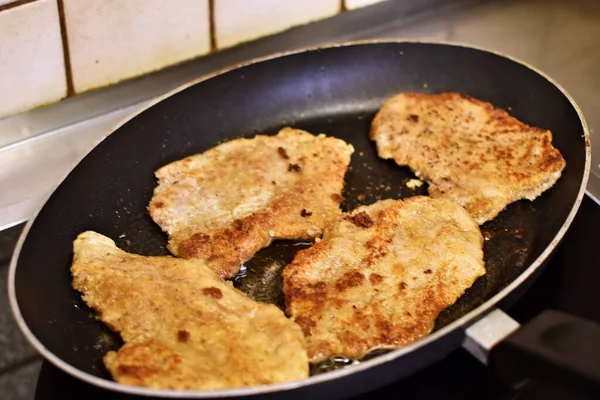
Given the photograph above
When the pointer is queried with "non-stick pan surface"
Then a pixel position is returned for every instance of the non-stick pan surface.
(334, 91)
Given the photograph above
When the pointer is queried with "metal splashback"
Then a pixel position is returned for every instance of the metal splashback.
(561, 38)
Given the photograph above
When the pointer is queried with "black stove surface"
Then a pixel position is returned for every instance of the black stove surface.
(569, 283)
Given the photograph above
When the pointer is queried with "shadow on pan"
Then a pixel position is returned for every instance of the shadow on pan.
(335, 91)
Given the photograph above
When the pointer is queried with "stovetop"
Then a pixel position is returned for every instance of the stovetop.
(569, 284)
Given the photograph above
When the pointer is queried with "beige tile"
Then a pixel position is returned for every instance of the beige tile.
(112, 40)
(354, 4)
(239, 21)
(32, 70)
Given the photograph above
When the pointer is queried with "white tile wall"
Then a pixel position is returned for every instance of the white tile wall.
(4, 2)
(354, 4)
(239, 21)
(112, 40)
(32, 70)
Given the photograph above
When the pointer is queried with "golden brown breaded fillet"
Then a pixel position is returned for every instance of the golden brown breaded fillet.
(183, 326)
(467, 150)
(229, 202)
(379, 278)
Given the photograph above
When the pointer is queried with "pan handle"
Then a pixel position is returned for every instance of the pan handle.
(553, 346)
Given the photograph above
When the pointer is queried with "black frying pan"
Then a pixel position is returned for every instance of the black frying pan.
(333, 90)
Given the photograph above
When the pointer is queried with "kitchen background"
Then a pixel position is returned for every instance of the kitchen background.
(71, 70)
(52, 49)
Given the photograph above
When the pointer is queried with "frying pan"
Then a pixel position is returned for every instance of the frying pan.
(334, 90)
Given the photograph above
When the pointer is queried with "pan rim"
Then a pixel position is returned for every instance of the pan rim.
(462, 322)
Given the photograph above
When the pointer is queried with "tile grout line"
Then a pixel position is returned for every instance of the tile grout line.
(211, 26)
(15, 4)
(66, 52)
